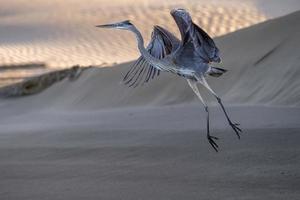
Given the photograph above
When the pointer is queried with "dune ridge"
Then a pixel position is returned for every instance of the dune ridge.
(264, 73)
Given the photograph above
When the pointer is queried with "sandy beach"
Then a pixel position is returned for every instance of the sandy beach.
(91, 137)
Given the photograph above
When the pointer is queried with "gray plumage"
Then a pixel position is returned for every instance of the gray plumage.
(189, 57)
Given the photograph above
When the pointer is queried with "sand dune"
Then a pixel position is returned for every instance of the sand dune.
(262, 71)
(62, 34)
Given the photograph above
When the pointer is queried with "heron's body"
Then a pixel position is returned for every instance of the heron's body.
(189, 57)
(171, 62)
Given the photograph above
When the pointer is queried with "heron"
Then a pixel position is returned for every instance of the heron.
(191, 58)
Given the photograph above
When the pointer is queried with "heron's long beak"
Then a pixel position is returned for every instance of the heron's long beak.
(107, 26)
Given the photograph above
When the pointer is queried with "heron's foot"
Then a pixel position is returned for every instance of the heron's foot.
(211, 140)
(236, 129)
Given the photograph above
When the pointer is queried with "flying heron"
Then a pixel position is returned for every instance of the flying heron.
(189, 57)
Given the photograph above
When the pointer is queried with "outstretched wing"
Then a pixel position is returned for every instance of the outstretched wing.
(161, 44)
(191, 34)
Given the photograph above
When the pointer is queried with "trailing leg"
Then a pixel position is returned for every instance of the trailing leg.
(234, 126)
(211, 139)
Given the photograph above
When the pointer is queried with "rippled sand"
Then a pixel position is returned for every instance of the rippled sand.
(62, 33)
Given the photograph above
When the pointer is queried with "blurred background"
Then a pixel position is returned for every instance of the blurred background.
(39, 36)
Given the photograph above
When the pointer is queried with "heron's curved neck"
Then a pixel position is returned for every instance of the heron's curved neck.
(143, 50)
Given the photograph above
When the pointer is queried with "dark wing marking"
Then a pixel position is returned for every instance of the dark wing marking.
(187, 57)
(204, 45)
(161, 44)
(189, 61)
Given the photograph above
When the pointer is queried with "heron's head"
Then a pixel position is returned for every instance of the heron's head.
(119, 25)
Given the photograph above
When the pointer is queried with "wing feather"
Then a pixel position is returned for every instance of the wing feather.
(202, 43)
(161, 44)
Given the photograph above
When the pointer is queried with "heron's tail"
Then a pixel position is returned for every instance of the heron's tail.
(215, 71)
